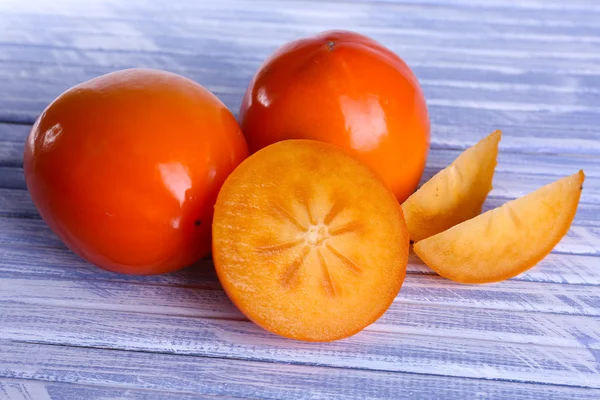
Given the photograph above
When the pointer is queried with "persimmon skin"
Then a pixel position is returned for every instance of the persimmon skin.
(308, 242)
(125, 169)
(346, 89)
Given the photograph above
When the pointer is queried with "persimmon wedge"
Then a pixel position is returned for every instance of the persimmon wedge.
(308, 242)
(456, 193)
(505, 241)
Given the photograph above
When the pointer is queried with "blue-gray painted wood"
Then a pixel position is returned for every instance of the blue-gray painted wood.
(468, 85)
(56, 262)
(32, 233)
(529, 68)
(556, 323)
(507, 185)
(12, 138)
(121, 372)
(372, 349)
(27, 389)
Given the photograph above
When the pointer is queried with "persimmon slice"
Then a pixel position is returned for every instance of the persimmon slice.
(308, 242)
(456, 193)
(505, 241)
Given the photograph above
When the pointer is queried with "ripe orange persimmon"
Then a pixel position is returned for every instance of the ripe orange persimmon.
(126, 168)
(503, 242)
(345, 89)
(308, 242)
(456, 193)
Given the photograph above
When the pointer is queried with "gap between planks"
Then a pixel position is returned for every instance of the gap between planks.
(239, 340)
(48, 389)
(440, 57)
(427, 320)
(427, 9)
(28, 248)
(256, 33)
(216, 375)
(30, 231)
(13, 136)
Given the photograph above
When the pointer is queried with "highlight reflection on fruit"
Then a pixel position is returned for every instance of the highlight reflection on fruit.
(125, 169)
(508, 240)
(456, 193)
(345, 89)
(308, 242)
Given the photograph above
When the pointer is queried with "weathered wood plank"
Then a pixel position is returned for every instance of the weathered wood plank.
(11, 177)
(28, 232)
(506, 185)
(548, 16)
(29, 239)
(577, 5)
(13, 133)
(372, 350)
(453, 119)
(522, 294)
(421, 43)
(551, 137)
(540, 83)
(571, 20)
(27, 389)
(118, 374)
(236, 49)
(12, 138)
(442, 82)
(206, 300)
(49, 263)
(564, 265)
(57, 262)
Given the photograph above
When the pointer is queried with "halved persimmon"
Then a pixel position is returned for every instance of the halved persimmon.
(308, 242)
(456, 193)
(505, 241)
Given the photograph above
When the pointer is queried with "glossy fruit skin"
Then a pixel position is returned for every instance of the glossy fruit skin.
(125, 169)
(348, 90)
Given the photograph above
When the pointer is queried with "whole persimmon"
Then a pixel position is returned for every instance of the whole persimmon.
(348, 90)
(126, 168)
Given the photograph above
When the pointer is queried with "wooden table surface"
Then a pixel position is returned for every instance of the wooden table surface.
(531, 68)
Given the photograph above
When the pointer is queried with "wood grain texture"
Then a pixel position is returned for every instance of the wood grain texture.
(222, 45)
(27, 389)
(30, 241)
(69, 330)
(580, 240)
(510, 166)
(515, 295)
(507, 185)
(17, 203)
(371, 350)
(117, 373)
(52, 263)
(12, 139)
(410, 313)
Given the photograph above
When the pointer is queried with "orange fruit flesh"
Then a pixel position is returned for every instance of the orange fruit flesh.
(308, 242)
(456, 193)
(508, 240)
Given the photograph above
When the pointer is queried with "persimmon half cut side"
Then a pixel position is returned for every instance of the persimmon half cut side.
(308, 242)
